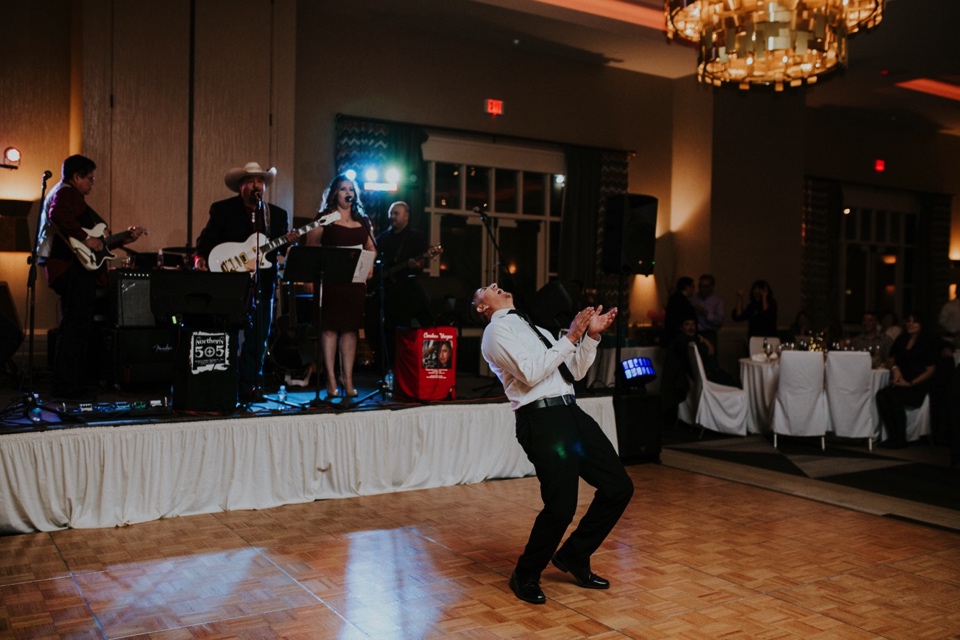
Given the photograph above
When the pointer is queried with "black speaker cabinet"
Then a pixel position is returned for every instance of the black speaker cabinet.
(139, 356)
(11, 333)
(629, 234)
(639, 424)
(205, 371)
(129, 293)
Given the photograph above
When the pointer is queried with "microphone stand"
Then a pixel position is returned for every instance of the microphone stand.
(257, 318)
(385, 357)
(31, 400)
(487, 388)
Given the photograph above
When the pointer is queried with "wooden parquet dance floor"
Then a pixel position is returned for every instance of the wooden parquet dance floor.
(694, 557)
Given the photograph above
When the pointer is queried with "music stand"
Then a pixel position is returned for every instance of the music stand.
(335, 265)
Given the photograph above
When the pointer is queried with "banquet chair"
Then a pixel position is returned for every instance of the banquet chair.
(850, 401)
(756, 344)
(713, 406)
(800, 406)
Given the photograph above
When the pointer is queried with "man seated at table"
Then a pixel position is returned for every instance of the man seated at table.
(872, 339)
(708, 354)
(677, 369)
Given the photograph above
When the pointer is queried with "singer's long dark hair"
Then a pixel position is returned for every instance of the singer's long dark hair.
(330, 198)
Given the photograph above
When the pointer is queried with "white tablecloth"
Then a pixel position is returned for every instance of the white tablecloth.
(760, 381)
(602, 373)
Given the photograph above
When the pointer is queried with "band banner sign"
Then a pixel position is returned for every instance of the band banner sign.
(427, 363)
(209, 352)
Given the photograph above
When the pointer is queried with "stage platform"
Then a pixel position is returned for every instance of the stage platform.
(96, 466)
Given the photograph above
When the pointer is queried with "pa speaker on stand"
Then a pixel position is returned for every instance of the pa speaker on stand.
(629, 234)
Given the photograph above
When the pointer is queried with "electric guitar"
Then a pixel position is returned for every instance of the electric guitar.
(427, 255)
(228, 257)
(93, 260)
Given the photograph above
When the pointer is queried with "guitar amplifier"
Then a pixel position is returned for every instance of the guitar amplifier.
(139, 356)
(129, 299)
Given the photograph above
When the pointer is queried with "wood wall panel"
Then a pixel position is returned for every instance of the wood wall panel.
(150, 124)
(35, 118)
(232, 102)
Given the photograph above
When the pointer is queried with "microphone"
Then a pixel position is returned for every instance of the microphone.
(47, 175)
(349, 198)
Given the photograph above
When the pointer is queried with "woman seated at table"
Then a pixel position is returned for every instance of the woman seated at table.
(913, 358)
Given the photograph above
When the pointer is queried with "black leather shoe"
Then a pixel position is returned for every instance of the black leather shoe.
(527, 589)
(582, 575)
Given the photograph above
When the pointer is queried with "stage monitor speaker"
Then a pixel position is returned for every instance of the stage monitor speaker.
(11, 333)
(639, 425)
(629, 234)
(130, 299)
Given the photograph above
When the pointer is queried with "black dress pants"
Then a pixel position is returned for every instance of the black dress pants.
(77, 289)
(565, 444)
(255, 338)
(892, 403)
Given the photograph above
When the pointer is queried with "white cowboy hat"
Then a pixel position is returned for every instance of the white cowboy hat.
(236, 175)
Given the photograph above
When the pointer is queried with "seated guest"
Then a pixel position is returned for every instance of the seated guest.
(708, 354)
(800, 330)
(678, 308)
(872, 339)
(912, 361)
(890, 325)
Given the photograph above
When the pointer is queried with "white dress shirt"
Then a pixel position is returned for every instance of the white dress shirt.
(526, 367)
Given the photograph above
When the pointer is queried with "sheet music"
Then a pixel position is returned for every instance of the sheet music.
(364, 265)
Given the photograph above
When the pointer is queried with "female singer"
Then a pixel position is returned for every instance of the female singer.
(342, 304)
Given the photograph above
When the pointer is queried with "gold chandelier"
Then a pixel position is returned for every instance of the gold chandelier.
(777, 42)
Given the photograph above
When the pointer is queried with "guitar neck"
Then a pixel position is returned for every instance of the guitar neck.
(116, 238)
(282, 240)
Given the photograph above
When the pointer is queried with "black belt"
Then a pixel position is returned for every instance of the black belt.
(543, 403)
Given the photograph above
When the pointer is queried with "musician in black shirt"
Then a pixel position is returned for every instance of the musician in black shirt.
(403, 253)
(234, 220)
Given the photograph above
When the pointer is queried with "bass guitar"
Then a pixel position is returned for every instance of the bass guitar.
(93, 260)
(242, 256)
(426, 256)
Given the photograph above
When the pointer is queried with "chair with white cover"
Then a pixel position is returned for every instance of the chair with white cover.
(850, 399)
(800, 407)
(756, 344)
(713, 406)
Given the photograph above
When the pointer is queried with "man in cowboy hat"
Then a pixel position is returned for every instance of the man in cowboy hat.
(235, 220)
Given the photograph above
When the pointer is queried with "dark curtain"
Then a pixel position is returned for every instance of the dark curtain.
(933, 255)
(821, 246)
(405, 150)
(592, 176)
(820, 253)
(580, 219)
(363, 142)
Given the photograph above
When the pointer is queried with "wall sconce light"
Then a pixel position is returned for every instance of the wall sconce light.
(11, 158)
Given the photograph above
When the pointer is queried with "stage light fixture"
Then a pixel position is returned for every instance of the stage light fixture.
(350, 174)
(392, 174)
(11, 158)
(371, 174)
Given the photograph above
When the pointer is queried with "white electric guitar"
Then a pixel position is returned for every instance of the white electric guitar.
(92, 259)
(242, 256)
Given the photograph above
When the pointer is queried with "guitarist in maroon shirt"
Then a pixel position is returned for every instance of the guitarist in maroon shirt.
(66, 217)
